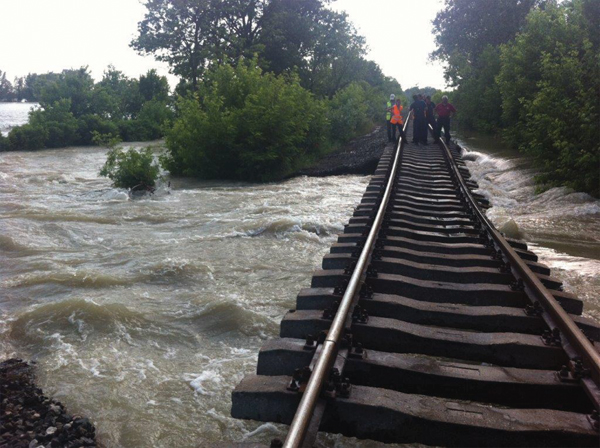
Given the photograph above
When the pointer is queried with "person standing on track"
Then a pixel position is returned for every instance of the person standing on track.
(396, 120)
(430, 112)
(418, 108)
(444, 111)
(388, 117)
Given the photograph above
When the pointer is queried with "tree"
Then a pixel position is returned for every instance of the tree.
(550, 89)
(466, 27)
(58, 123)
(181, 33)
(75, 84)
(246, 124)
(320, 43)
(134, 170)
(6, 89)
(152, 86)
(468, 34)
(19, 88)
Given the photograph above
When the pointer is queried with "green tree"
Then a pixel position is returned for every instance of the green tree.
(58, 123)
(468, 34)
(3, 143)
(466, 27)
(550, 89)
(26, 137)
(76, 85)
(181, 33)
(246, 124)
(153, 87)
(6, 88)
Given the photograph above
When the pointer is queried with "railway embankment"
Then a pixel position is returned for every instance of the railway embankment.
(359, 156)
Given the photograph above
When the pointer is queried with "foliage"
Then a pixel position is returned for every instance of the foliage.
(353, 111)
(3, 143)
(59, 124)
(90, 124)
(6, 88)
(247, 125)
(529, 70)
(307, 37)
(422, 90)
(181, 33)
(464, 28)
(134, 170)
(27, 137)
(478, 99)
(553, 98)
(75, 85)
(73, 107)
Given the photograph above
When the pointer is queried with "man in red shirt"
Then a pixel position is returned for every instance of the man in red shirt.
(444, 111)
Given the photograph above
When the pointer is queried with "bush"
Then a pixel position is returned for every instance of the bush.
(247, 125)
(59, 123)
(89, 125)
(3, 143)
(26, 137)
(349, 113)
(153, 117)
(134, 170)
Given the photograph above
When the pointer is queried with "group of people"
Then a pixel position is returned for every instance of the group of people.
(424, 112)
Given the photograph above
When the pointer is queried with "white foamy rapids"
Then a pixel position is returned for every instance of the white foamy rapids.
(562, 226)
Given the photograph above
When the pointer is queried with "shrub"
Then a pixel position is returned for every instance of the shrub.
(59, 123)
(89, 125)
(26, 137)
(248, 125)
(349, 113)
(3, 143)
(153, 116)
(134, 170)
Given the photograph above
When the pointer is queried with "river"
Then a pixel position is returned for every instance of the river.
(14, 114)
(144, 314)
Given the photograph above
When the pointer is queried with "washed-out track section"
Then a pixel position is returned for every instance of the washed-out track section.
(445, 345)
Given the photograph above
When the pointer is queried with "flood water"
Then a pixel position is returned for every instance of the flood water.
(144, 314)
(14, 114)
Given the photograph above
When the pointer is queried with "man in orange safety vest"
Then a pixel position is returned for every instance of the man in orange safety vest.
(396, 120)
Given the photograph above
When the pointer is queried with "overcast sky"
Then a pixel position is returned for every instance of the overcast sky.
(38, 36)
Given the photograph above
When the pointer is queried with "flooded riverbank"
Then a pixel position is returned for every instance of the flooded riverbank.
(561, 226)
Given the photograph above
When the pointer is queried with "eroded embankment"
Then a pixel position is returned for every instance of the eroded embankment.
(359, 156)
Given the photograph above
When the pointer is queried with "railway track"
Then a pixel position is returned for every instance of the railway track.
(426, 325)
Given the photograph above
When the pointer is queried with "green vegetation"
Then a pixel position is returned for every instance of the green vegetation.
(19, 90)
(266, 88)
(132, 169)
(244, 124)
(529, 71)
(73, 108)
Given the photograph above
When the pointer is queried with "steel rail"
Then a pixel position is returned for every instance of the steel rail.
(580, 343)
(301, 422)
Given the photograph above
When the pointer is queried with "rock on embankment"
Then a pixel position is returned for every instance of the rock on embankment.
(30, 419)
(359, 156)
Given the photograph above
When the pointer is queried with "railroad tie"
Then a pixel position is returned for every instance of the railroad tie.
(426, 325)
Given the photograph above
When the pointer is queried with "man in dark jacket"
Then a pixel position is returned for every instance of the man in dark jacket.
(430, 112)
(418, 108)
